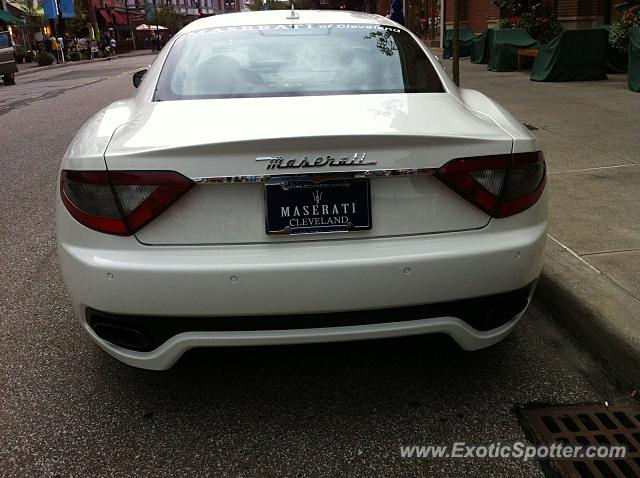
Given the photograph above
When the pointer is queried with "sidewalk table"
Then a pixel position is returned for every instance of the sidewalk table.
(530, 52)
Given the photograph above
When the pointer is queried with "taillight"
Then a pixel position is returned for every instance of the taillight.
(501, 185)
(120, 202)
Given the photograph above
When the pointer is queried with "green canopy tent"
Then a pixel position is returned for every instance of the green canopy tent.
(466, 37)
(480, 47)
(8, 19)
(574, 55)
(634, 59)
(616, 59)
(503, 50)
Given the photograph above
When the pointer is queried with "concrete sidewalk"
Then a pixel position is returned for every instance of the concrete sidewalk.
(27, 68)
(590, 134)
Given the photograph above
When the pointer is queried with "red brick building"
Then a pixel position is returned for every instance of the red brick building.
(480, 14)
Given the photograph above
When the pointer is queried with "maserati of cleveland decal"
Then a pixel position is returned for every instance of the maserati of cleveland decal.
(279, 162)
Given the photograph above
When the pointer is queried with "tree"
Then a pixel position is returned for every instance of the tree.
(619, 36)
(516, 7)
(168, 17)
(33, 20)
(456, 42)
(534, 16)
(80, 23)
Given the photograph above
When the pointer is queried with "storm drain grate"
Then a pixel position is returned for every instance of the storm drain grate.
(589, 425)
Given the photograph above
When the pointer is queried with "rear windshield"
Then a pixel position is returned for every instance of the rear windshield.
(286, 60)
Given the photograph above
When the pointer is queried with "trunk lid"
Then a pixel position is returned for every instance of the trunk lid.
(223, 138)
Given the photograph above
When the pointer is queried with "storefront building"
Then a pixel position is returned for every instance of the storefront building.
(424, 16)
(478, 15)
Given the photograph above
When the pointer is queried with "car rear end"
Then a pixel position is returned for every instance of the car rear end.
(221, 218)
(8, 67)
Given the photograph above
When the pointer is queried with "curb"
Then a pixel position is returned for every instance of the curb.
(594, 308)
(72, 63)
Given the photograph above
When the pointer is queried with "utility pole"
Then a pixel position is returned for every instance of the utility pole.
(60, 28)
(155, 14)
(443, 21)
(133, 37)
(456, 42)
(59, 19)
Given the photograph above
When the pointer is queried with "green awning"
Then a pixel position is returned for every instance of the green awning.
(39, 12)
(8, 19)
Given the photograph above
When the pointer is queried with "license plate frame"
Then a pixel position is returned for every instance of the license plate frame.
(317, 207)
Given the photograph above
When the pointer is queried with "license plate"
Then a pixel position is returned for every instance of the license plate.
(307, 207)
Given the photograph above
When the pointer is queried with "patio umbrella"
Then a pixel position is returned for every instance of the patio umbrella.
(145, 27)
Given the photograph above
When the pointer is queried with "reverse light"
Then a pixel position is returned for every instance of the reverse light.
(501, 185)
(120, 202)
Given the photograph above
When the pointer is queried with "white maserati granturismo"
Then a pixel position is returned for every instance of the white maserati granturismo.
(291, 177)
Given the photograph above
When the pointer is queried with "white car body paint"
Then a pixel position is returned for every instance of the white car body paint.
(208, 255)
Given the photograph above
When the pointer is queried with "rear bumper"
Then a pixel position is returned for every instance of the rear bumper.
(293, 278)
(120, 276)
(146, 333)
(164, 356)
(7, 64)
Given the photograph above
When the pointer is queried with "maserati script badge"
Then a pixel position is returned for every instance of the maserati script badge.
(279, 162)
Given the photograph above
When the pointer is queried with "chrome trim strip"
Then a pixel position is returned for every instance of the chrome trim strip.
(263, 178)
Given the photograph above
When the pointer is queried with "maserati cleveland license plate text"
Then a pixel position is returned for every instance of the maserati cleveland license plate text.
(307, 207)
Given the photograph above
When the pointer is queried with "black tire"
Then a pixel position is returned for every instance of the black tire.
(9, 79)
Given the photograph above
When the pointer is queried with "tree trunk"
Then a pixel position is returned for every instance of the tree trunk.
(456, 42)
(91, 11)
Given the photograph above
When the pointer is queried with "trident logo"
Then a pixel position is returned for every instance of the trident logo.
(317, 196)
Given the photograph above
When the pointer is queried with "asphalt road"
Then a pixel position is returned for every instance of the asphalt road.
(39, 84)
(67, 409)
